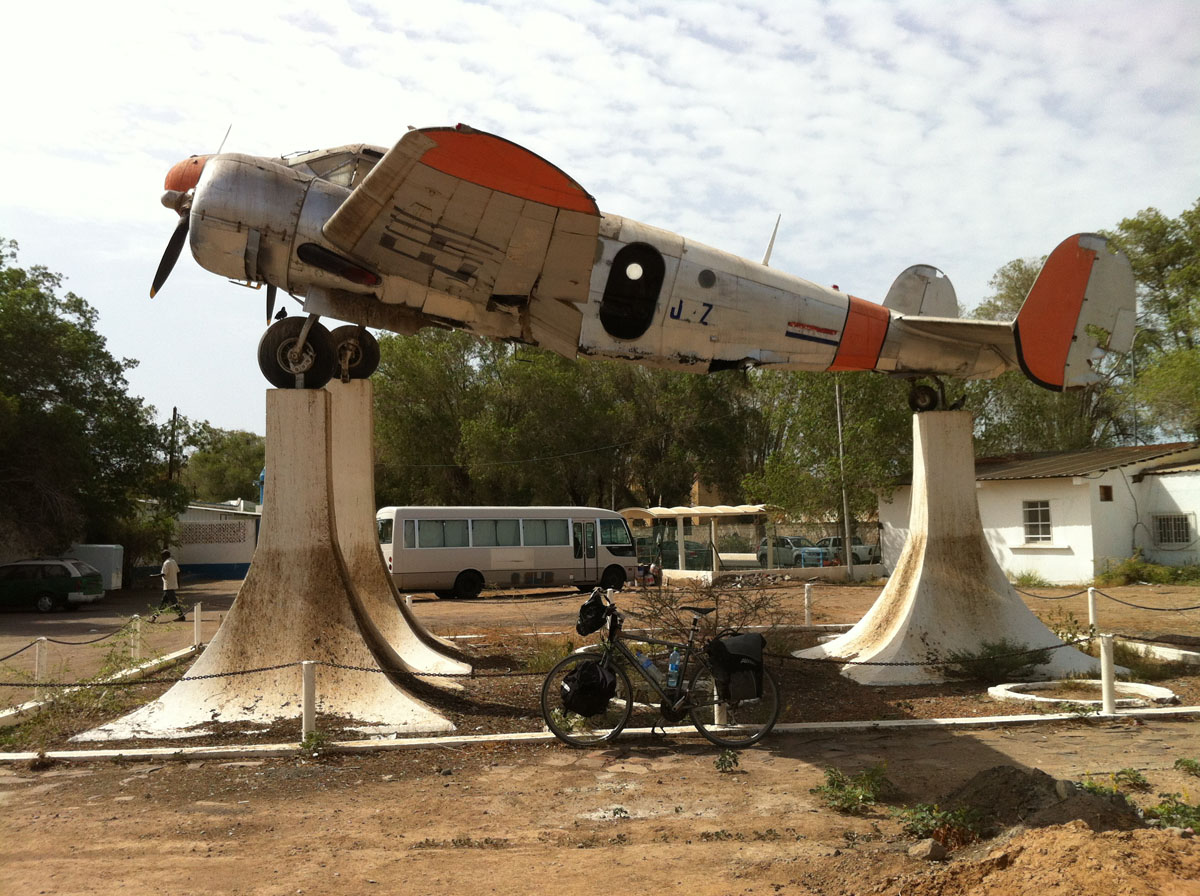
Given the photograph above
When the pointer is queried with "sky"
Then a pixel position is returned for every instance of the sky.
(958, 134)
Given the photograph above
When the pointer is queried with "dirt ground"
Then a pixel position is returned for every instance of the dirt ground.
(508, 818)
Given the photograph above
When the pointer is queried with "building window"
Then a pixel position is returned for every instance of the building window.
(1106, 493)
(1036, 516)
(1172, 529)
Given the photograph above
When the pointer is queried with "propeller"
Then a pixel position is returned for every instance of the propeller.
(171, 255)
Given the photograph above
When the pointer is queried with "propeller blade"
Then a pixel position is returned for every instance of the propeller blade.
(170, 255)
(270, 301)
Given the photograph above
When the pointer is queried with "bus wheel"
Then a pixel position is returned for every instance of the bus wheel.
(613, 579)
(468, 585)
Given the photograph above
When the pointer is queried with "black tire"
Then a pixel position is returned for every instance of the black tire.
(47, 602)
(585, 731)
(468, 585)
(362, 347)
(315, 366)
(923, 398)
(613, 579)
(745, 722)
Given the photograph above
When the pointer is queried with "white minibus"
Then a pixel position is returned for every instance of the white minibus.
(457, 551)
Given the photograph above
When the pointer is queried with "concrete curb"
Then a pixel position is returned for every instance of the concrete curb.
(260, 751)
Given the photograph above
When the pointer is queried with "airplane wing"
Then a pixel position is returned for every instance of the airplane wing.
(467, 221)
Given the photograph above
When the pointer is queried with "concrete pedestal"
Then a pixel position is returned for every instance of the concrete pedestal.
(394, 633)
(947, 594)
(296, 603)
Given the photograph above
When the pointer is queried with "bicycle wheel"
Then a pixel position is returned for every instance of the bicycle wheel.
(584, 731)
(737, 723)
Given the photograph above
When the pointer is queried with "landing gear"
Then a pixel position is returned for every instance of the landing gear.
(299, 353)
(357, 353)
(296, 353)
(923, 398)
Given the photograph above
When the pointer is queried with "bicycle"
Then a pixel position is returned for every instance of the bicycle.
(725, 721)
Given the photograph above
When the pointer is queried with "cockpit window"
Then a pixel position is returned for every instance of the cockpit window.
(345, 166)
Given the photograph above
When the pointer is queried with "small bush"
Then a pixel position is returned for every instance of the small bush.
(1134, 570)
(1028, 578)
(997, 662)
(950, 827)
(1188, 766)
(854, 794)
(1173, 812)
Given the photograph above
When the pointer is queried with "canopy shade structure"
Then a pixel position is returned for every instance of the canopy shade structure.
(694, 555)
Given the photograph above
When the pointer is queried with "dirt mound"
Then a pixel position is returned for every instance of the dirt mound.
(1006, 796)
(1070, 858)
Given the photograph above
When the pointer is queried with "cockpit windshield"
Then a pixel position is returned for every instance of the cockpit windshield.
(345, 165)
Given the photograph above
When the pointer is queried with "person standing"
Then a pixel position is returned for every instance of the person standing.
(170, 583)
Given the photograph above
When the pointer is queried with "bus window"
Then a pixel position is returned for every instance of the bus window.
(614, 535)
(443, 533)
(495, 533)
(410, 533)
(385, 531)
(578, 541)
(545, 532)
(590, 529)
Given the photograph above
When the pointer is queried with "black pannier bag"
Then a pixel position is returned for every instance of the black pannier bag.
(587, 688)
(737, 666)
(592, 613)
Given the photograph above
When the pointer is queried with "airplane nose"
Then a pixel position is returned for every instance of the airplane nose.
(186, 174)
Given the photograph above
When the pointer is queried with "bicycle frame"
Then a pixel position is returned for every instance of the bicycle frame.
(679, 700)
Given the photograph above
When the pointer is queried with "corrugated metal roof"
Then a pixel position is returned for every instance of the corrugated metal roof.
(1074, 463)
(1168, 469)
(711, 511)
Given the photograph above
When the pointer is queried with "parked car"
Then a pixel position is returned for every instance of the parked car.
(49, 584)
(794, 550)
(696, 553)
(863, 553)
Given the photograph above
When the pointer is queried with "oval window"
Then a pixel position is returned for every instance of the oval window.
(631, 293)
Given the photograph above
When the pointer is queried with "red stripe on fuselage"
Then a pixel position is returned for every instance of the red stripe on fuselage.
(862, 337)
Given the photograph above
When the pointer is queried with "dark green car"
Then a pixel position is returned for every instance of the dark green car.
(49, 584)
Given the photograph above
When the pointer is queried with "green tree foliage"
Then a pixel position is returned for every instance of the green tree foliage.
(1165, 255)
(1013, 414)
(459, 421)
(798, 440)
(77, 452)
(225, 465)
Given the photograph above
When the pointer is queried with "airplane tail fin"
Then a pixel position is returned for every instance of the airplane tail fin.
(1082, 305)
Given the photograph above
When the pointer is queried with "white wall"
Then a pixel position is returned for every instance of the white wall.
(1169, 493)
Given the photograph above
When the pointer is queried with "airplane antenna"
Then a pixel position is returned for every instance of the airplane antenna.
(226, 137)
(771, 245)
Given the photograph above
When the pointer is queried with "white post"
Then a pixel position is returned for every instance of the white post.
(808, 604)
(1092, 609)
(196, 624)
(408, 601)
(308, 699)
(39, 666)
(135, 635)
(1108, 688)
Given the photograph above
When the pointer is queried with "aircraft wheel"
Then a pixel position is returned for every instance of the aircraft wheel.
(361, 351)
(923, 398)
(311, 370)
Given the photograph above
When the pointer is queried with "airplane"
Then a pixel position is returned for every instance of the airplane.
(455, 227)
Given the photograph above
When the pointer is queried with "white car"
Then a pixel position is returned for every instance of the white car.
(863, 553)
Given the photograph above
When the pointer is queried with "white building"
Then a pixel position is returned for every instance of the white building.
(1066, 517)
(216, 541)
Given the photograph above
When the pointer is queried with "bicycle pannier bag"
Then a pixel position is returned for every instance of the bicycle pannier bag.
(592, 614)
(587, 688)
(738, 666)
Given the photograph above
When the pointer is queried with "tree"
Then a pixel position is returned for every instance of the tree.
(225, 466)
(77, 452)
(801, 471)
(1013, 414)
(1165, 255)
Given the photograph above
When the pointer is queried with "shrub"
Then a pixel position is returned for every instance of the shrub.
(1135, 570)
(1028, 578)
(997, 662)
(950, 827)
(854, 794)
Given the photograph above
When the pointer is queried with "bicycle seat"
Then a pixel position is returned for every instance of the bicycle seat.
(699, 611)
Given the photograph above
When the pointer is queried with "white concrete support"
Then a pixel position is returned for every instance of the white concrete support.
(808, 604)
(308, 691)
(1091, 609)
(947, 592)
(1108, 685)
(395, 634)
(295, 604)
(135, 639)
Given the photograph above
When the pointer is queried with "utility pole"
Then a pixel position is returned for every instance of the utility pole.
(837, 393)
